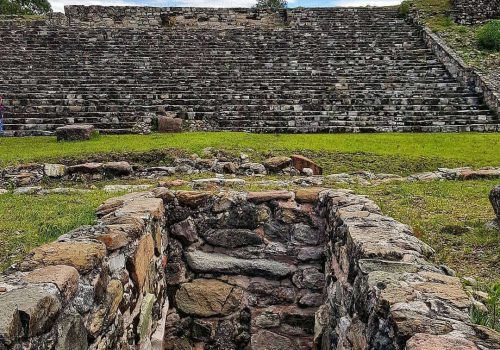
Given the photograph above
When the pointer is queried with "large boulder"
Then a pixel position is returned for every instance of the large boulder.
(495, 201)
(276, 164)
(75, 132)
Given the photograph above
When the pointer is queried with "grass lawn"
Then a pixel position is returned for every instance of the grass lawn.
(29, 221)
(394, 153)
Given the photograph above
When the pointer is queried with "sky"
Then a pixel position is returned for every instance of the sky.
(58, 5)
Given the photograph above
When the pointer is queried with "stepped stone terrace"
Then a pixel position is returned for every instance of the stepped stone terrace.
(296, 70)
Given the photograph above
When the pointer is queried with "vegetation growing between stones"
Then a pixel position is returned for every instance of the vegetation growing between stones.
(488, 36)
(490, 316)
(271, 4)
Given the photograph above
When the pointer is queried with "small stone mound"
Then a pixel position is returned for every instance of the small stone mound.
(75, 132)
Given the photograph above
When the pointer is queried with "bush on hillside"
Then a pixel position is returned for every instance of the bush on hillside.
(488, 36)
(24, 7)
(404, 8)
(271, 4)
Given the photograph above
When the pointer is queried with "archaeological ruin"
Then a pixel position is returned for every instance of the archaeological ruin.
(294, 70)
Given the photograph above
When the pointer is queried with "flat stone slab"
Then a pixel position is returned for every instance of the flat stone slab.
(219, 263)
(75, 132)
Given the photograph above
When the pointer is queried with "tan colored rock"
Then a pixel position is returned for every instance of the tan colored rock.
(278, 163)
(443, 287)
(86, 168)
(142, 207)
(114, 239)
(266, 340)
(192, 198)
(114, 294)
(300, 162)
(423, 341)
(142, 257)
(64, 277)
(206, 298)
(260, 197)
(308, 195)
(84, 256)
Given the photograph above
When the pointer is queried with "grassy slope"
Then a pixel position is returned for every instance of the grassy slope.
(397, 153)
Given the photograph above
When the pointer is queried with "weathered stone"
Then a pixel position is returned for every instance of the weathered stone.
(142, 257)
(276, 164)
(145, 317)
(308, 195)
(27, 312)
(114, 239)
(114, 295)
(310, 278)
(84, 256)
(169, 124)
(192, 198)
(422, 341)
(232, 238)
(310, 253)
(206, 298)
(253, 169)
(266, 319)
(219, 263)
(86, 168)
(479, 174)
(260, 197)
(305, 234)
(117, 168)
(72, 333)
(75, 132)
(495, 201)
(64, 277)
(54, 170)
(185, 231)
(300, 162)
(248, 215)
(28, 190)
(142, 207)
(266, 340)
(311, 299)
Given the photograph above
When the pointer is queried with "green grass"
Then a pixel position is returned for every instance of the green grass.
(488, 35)
(396, 153)
(450, 216)
(28, 221)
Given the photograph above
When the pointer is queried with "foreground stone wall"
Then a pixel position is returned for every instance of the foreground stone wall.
(143, 17)
(99, 287)
(475, 11)
(310, 269)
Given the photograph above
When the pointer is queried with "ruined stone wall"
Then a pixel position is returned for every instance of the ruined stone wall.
(143, 17)
(99, 287)
(310, 269)
(383, 291)
(475, 11)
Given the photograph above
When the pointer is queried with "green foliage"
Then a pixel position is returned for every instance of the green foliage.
(405, 7)
(488, 36)
(24, 7)
(271, 4)
(489, 317)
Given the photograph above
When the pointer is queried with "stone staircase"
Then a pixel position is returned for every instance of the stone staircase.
(326, 70)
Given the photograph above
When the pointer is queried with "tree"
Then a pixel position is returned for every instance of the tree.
(271, 4)
(24, 7)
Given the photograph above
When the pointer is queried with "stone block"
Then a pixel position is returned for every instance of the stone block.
(169, 124)
(117, 168)
(64, 277)
(75, 132)
(207, 298)
(300, 163)
(54, 170)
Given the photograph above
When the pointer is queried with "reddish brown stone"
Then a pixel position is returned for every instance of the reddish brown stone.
(300, 162)
(142, 257)
(169, 124)
(468, 174)
(192, 198)
(114, 239)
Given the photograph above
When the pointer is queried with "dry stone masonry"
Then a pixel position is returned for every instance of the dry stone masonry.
(310, 269)
(475, 11)
(300, 70)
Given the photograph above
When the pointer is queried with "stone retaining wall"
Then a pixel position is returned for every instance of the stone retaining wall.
(99, 287)
(311, 269)
(143, 17)
(475, 11)
(466, 75)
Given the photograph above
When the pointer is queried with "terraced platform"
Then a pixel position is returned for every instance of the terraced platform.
(322, 70)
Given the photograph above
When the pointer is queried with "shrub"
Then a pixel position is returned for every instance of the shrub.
(404, 8)
(488, 36)
(271, 4)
